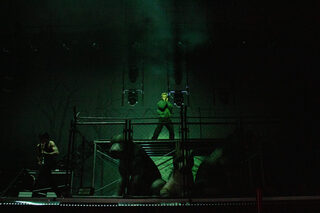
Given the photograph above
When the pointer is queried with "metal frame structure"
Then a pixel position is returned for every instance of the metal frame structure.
(78, 121)
(158, 147)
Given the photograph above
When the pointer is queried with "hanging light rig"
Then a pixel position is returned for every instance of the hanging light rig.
(133, 95)
(178, 97)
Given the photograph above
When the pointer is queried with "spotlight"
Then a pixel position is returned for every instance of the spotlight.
(178, 97)
(65, 46)
(132, 97)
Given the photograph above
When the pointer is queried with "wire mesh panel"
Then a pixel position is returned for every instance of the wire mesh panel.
(105, 172)
(165, 166)
(85, 153)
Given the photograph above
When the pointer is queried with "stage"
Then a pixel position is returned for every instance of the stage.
(232, 204)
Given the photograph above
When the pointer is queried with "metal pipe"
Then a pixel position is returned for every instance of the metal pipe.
(94, 164)
(190, 123)
(108, 157)
(99, 123)
(189, 117)
(105, 186)
(164, 162)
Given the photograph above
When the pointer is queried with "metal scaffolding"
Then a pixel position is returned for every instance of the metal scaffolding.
(161, 147)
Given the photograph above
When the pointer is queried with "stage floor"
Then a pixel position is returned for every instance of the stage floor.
(94, 203)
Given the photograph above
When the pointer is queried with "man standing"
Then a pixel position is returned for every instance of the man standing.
(164, 110)
(47, 153)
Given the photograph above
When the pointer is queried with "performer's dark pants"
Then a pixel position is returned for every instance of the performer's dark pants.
(46, 179)
(164, 122)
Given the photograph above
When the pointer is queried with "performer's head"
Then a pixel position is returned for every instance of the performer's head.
(164, 95)
(117, 146)
(44, 137)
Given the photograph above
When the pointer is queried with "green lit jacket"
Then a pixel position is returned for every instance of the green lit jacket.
(164, 109)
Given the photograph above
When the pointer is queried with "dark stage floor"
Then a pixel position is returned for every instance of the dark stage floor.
(94, 204)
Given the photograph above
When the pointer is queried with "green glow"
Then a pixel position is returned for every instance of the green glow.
(167, 167)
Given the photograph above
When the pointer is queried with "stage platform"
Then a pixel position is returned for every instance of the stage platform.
(143, 204)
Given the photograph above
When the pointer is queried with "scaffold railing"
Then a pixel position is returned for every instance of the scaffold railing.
(163, 147)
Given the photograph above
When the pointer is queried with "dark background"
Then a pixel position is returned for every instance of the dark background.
(240, 58)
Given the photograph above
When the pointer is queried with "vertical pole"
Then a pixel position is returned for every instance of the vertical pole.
(168, 79)
(125, 61)
(200, 122)
(101, 177)
(67, 181)
(71, 183)
(130, 132)
(182, 149)
(82, 161)
(262, 176)
(259, 199)
(184, 154)
(179, 150)
(187, 154)
(142, 95)
(178, 144)
(72, 133)
(127, 150)
(126, 160)
(214, 96)
(122, 94)
(73, 137)
(94, 164)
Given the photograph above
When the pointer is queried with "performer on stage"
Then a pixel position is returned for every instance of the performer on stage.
(47, 153)
(164, 110)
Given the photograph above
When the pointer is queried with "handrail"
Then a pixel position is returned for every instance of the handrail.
(99, 123)
(83, 123)
(189, 117)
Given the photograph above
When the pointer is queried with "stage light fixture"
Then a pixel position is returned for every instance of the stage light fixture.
(178, 97)
(132, 97)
